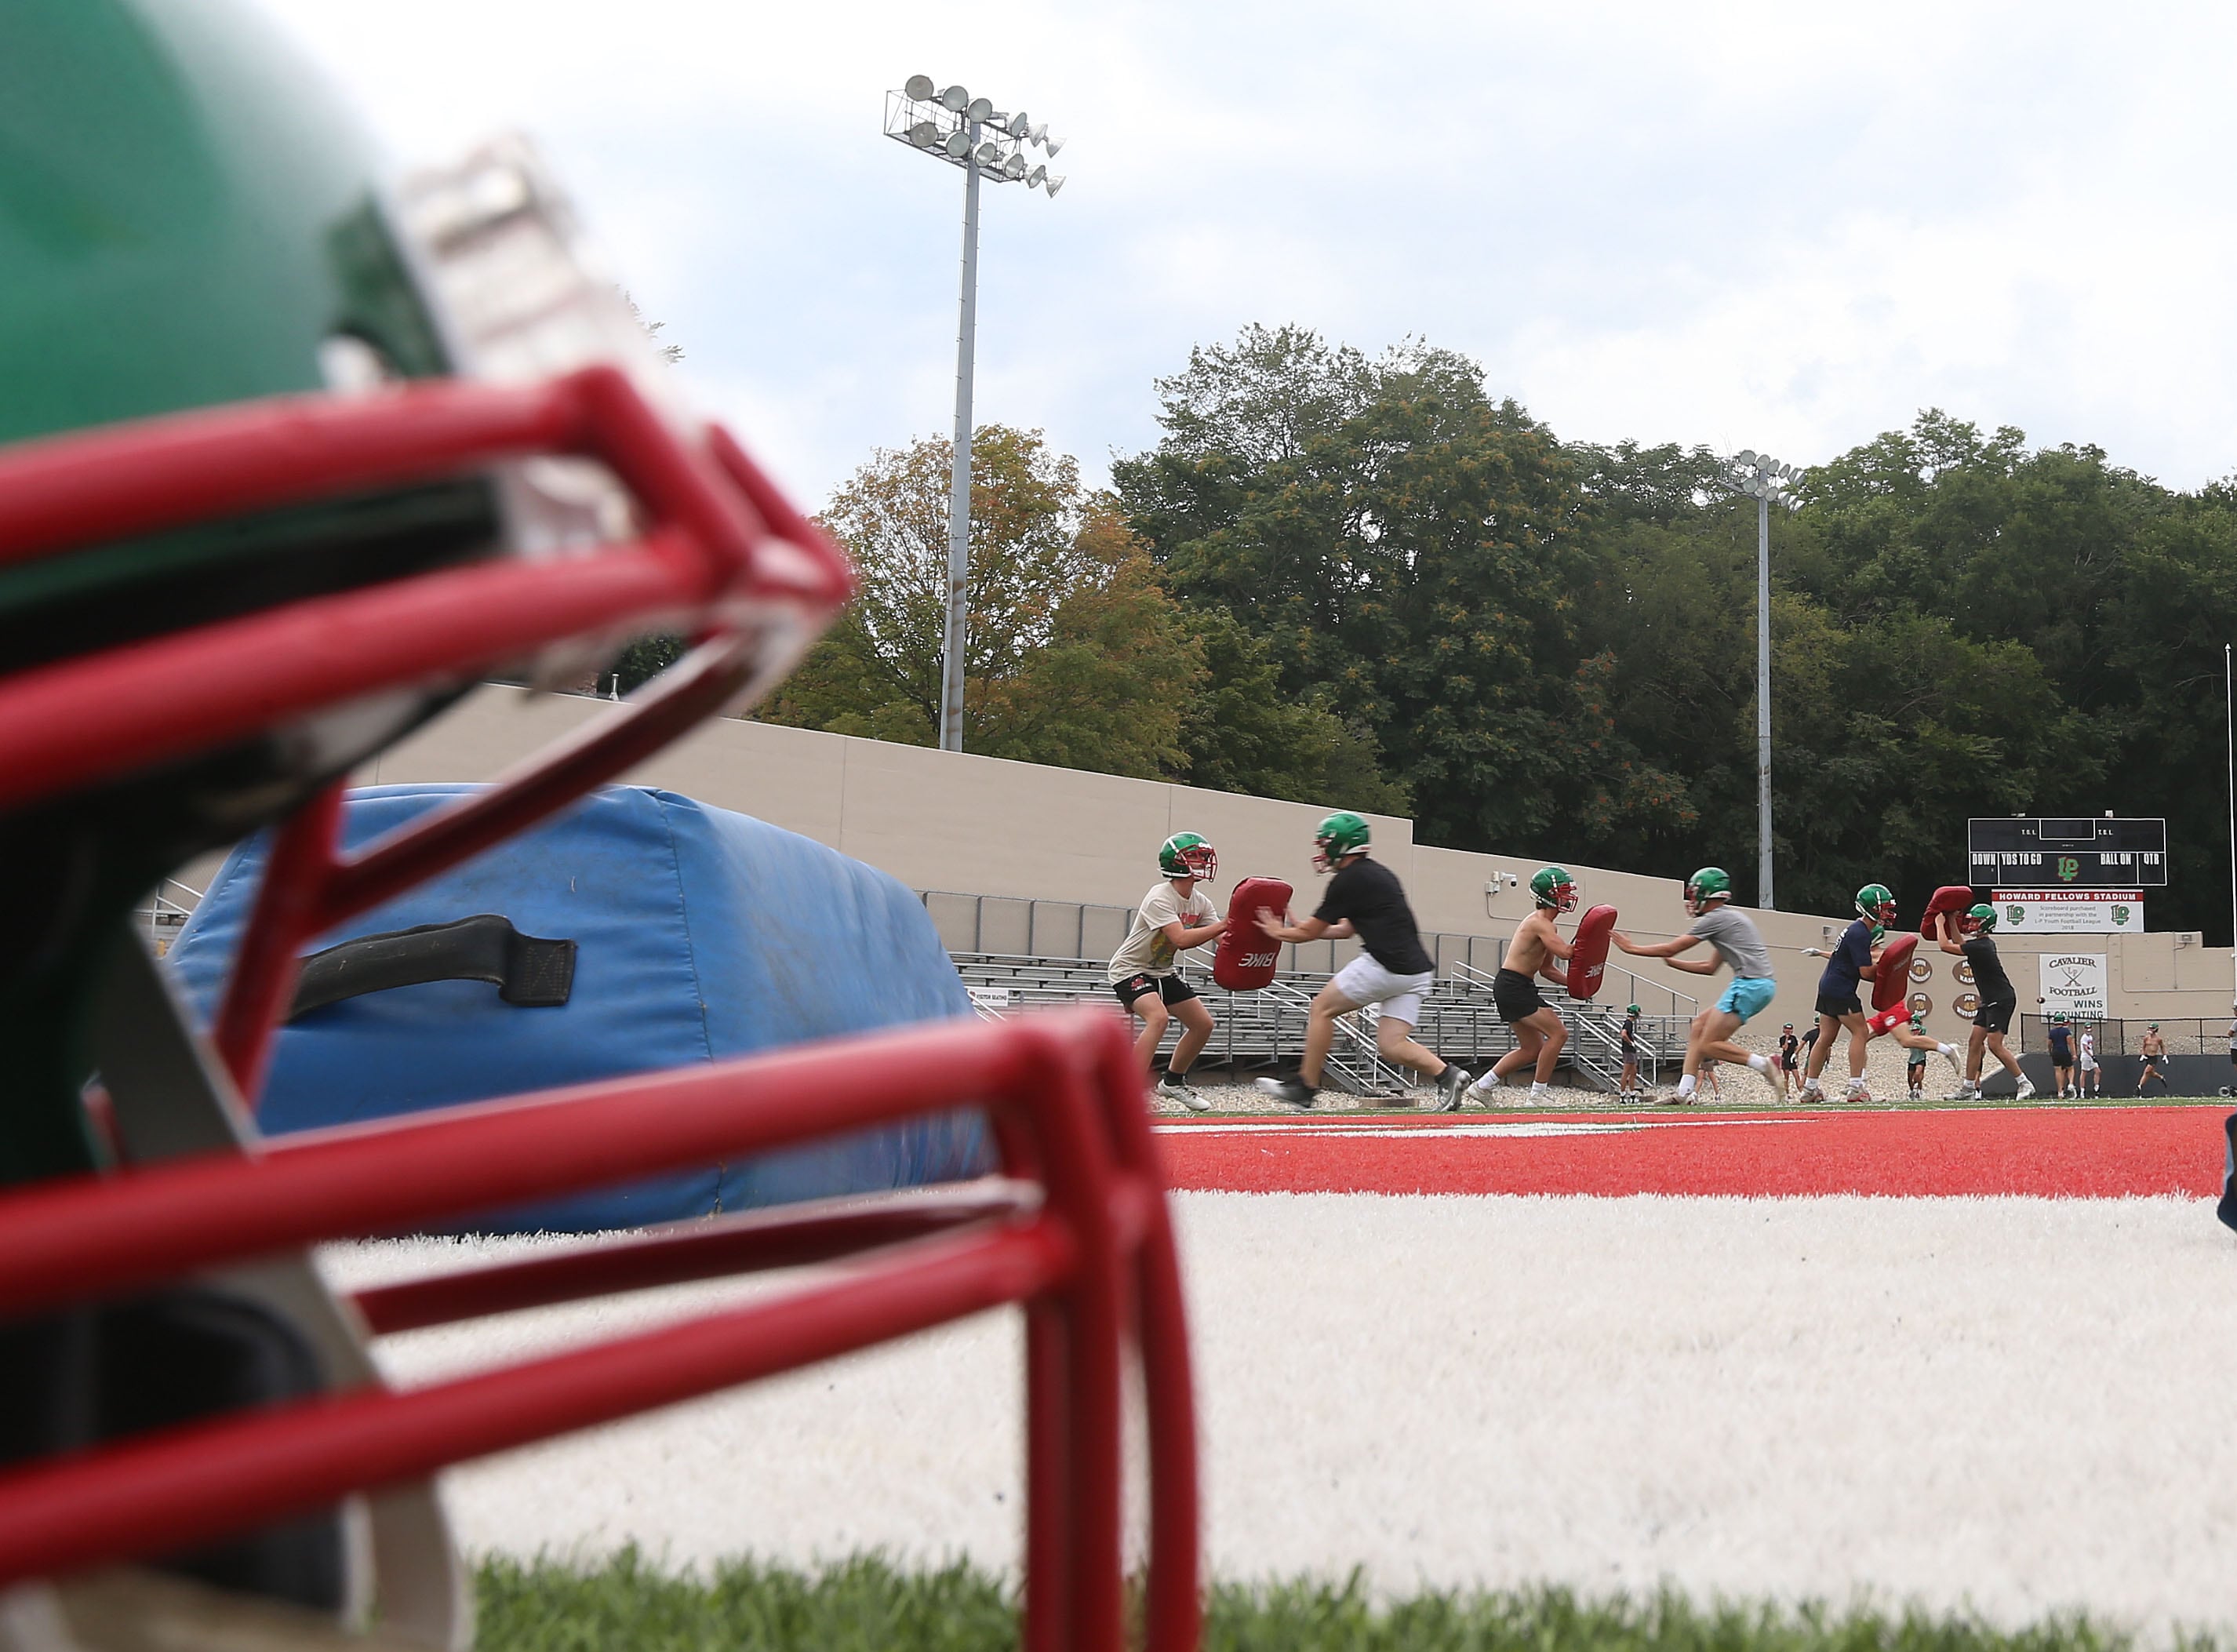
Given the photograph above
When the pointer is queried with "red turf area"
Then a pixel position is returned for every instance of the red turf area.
(2085, 1152)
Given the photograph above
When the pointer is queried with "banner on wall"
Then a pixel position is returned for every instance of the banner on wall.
(2072, 982)
(2069, 911)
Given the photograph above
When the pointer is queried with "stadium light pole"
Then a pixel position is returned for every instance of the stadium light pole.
(2229, 751)
(971, 133)
(1763, 478)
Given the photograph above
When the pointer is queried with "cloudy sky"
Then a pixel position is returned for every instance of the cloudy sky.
(1765, 225)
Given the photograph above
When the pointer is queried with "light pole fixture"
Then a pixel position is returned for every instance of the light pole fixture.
(1763, 478)
(951, 125)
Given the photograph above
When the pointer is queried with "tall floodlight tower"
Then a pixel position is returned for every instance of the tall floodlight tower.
(1763, 478)
(970, 132)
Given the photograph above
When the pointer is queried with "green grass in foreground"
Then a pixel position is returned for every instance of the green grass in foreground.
(631, 1605)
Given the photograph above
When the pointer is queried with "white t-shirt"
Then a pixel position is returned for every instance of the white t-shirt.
(1145, 950)
(2089, 1049)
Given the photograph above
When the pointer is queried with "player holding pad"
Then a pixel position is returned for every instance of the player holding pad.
(1173, 916)
(1537, 949)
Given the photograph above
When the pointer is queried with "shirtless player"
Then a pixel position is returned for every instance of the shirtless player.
(1536, 950)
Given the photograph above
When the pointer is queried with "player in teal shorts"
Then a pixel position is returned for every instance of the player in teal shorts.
(1708, 896)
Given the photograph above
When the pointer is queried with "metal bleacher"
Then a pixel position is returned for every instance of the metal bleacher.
(1265, 1029)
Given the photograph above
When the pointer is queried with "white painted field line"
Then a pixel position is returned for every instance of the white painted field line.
(2019, 1404)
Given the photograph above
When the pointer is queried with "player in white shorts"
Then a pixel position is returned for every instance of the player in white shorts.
(1364, 899)
(2093, 1076)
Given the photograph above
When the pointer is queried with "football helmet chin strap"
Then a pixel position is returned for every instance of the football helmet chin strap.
(1077, 1229)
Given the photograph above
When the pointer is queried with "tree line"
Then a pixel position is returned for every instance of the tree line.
(1370, 582)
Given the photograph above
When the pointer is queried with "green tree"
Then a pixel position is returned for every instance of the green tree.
(1410, 554)
(1076, 655)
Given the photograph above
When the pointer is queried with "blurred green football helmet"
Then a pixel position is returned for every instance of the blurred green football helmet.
(1338, 834)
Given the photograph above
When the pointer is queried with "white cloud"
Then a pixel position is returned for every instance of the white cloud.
(1740, 224)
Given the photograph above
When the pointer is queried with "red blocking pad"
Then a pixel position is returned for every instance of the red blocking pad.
(1891, 981)
(1245, 957)
(1588, 963)
(1952, 898)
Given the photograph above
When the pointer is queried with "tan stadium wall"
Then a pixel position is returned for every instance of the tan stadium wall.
(974, 825)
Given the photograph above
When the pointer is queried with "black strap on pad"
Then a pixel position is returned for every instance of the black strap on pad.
(525, 969)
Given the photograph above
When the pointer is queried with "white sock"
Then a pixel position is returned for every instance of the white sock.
(1760, 1063)
(1537, 1090)
(1857, 1083)
(1488, 1081)
(1685, 1083)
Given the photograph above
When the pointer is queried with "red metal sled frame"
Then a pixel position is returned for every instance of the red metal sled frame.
(1094, 1254)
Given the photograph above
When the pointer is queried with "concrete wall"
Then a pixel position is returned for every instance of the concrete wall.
(950, 821)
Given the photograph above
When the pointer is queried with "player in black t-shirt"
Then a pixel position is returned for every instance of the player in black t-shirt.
(1790, 1051)
(1365, 899)
(1630, 1036)
(1998, 1000)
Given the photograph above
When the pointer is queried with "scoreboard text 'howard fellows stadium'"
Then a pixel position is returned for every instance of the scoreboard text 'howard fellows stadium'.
(2044, 852)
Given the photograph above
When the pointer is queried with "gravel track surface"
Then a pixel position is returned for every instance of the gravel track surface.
(2013, 1404)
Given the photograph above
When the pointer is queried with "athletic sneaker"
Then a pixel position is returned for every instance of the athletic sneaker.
(1967, 1090)
(1485, 1088)
(1175, 1086)
(1292, 1091)
(1956, 1066)
(2027, 1087)
(1452, 1084)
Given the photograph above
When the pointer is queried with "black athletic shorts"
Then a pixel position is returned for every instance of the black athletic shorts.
(1171, 988)
(1995, 1014)
(1516, 996)
(1837, 1007)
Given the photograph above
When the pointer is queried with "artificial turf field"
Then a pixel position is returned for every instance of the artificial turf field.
(866, 1605)
(2108, 1150)
(2000, 1403)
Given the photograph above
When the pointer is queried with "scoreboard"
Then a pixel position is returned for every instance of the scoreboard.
(2045, 852)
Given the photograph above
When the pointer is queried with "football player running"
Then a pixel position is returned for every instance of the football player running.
(1143, 975)
(1840, 1004)
(1997, 995)
(1365, 899)
(1738, 943)
(1537, 949)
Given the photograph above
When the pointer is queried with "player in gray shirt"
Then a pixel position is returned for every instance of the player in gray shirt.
(1738, 943)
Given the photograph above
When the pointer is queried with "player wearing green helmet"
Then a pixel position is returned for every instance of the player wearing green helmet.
(1337, 836)
(1537, 949)
(1393, 971)
(1173, 916)
(1998, 999)
(1914, 1066)
(1840, 1003)
(1629, 1091)
(1736, 941)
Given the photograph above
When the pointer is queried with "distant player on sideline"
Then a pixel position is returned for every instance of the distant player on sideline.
(1173, 916)
(1789, 1058)
(1537, 949)
(1914, 1067)
(2062, 1055)
(1738, 943)
(2093, 1076)
(1364, 899)
(1998, 1000)
(1629, 1090)
(2153, 1048)
(1838, 1000)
